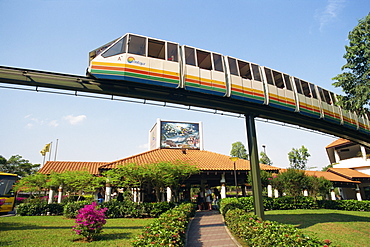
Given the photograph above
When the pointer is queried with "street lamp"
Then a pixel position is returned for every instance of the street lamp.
(234, 159)
(264, 148)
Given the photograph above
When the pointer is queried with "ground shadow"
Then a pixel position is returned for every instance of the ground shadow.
(306, 220)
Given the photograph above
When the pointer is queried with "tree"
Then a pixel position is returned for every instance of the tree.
(32, 183)
(157, 175)
(355, 80)
(298, 158)
(17, 165)
(292, 182)
(264, 159)
(238, 150)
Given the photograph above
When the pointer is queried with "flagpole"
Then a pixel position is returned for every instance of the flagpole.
(51, 145)
(56, 149)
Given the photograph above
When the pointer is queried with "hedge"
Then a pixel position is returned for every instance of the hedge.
(287, 203)
(256, 232)
(116, 209)
(167, 230)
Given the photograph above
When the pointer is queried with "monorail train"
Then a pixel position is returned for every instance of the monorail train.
(152, 61)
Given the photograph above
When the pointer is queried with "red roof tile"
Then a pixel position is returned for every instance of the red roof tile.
(330, 176)
(204, 160)
(61, 166)
(349, 173)
(338, 143)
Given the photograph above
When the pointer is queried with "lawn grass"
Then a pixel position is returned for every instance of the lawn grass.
(344, 228)
(57, 231)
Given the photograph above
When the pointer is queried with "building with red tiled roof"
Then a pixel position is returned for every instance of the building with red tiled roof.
(351, 161)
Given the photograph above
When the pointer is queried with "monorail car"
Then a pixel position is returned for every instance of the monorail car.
(158, 62)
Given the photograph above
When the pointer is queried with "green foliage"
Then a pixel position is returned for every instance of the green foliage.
(288, 203)
(39, 208)
(17, 165)
(238, 150)
(32, 183)
(158, 175)
(167, 230)
(124, 209)
(298, 158)
(264, 159)
(355, 81)
(292, 182)
(70, 210)
(256, 232)
(266, 178)
(75, 181)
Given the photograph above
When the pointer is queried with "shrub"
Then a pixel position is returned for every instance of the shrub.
(90, 221)
(167, 230)
(256, 232)
(70, 210)
(39, 208)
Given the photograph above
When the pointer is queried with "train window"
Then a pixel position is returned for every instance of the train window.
(172, 52)
(217, 62)
(269, 76)
(245, 70)
(327, 96)
(204, 60)
(298, 85)
(333, 98)
(189, 56)
(313, 91)
(287, 82)
(233, 67)
(137, 45)
(306, 89)
(256, 72)
(117, 48)
(278, 78)
(156, 48)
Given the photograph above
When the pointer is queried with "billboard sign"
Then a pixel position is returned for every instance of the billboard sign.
(180, 135)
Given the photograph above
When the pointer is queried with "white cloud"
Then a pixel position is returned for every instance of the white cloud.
(330, 13)
(75, 119)
(54, 123)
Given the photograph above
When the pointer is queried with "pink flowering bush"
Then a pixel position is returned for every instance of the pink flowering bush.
(90, 221)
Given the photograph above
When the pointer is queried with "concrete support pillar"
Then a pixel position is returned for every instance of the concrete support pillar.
(276, 193)
(332, 194)
(358, 193)
(305, 192)
(269, 190)
(108, 192)
(51, 196)
(223, 187)
(169, 194)
(60, 194)
(255, 167)
(336, 156)
(363, 152)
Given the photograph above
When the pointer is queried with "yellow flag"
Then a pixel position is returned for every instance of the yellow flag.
(45, 149)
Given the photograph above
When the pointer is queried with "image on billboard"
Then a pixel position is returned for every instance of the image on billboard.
(180, 135)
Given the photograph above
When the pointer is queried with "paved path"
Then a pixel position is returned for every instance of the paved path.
(208, 229)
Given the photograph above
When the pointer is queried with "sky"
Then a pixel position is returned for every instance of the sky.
(305, 39)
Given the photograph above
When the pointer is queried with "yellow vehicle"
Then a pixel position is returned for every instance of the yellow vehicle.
(7, 197)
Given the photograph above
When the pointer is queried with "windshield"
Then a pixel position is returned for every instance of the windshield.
(6, 184)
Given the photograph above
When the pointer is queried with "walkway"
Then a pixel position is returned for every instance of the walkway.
(208, 229)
